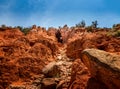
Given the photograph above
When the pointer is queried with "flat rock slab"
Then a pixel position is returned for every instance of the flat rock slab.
(103, 66)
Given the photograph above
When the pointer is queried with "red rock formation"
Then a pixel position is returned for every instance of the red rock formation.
(81, 41)
(23, 57)
(80, 75)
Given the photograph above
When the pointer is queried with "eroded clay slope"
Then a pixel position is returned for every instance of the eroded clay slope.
(23, 57)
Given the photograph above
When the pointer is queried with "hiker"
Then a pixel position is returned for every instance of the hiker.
(58, 36)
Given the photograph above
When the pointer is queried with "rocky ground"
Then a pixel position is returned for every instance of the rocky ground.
(37, 61)
(56, 74)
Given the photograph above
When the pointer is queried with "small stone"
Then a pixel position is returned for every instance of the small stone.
(57, 79)
(12, 86)
(37, 81)
(59, 57)
(59, 63)
(59, 86)
(48, 83)
(32, 87)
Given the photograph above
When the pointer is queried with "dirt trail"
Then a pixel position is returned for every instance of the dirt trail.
(65, 65)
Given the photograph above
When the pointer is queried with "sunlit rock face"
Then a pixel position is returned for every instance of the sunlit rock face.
(103, 66)
(82, 40)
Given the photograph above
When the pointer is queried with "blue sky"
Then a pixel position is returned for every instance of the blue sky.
(56, 13)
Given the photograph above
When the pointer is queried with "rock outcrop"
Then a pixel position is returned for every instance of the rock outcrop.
(22, 57)
(79, 75)
(83, 40)
(103, 66)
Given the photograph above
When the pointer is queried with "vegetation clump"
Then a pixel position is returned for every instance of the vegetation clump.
(25, 30)
(81, 24)
(115, 31)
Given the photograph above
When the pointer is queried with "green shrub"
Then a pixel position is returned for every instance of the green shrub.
(89, 29)
(114, 33)
(94, 24)
(81, 24)
(25, 30)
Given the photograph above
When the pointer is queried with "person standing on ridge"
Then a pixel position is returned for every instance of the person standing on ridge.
(58, 36)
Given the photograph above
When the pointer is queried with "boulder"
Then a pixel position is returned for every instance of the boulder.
(103, 66)
(51, 70)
